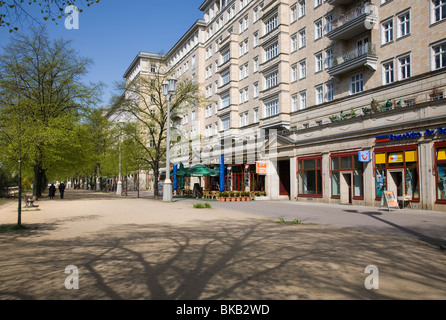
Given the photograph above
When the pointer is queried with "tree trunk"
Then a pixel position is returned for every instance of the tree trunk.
(155, 181)
(37, 187)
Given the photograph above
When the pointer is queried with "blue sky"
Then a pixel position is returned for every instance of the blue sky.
(113, 32)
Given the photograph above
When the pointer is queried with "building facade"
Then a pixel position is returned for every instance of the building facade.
(342, 99)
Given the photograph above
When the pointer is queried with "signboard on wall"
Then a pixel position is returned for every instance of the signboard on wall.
(261, 167)
(364, 156)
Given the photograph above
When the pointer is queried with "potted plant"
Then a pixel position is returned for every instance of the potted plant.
(353, 113)
(334, 118)
(231, 195)
(366, 111)
(374, 105)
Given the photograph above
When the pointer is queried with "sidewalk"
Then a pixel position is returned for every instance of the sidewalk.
(129, 248)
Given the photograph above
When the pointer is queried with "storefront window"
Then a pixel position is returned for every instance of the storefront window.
(440, 171)
(349, 169)
(310, 177)
(396, 169)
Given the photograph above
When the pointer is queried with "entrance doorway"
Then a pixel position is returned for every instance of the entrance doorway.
(284, 177)
(395, 182)
(346, 188)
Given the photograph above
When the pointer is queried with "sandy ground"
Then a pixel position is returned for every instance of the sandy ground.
(126, 248)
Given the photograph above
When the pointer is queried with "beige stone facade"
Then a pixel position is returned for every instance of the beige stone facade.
(305, 73)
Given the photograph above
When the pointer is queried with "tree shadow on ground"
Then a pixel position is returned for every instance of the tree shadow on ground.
(441, 243)
(237, 260)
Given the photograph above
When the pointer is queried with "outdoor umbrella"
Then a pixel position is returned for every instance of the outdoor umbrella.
(201, 170)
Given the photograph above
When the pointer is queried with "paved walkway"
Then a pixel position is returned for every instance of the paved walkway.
(128, 248)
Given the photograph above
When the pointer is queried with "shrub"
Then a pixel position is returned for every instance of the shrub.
(232, 194)
(237, 194)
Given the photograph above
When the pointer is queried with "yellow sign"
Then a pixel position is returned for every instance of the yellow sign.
(395, 157)
(441, 155)
(261, 167)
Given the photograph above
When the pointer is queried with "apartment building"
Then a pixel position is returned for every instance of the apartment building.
(342, 99)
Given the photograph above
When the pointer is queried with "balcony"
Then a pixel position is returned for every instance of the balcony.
(352, 23)
(362, 56)
(339, 2)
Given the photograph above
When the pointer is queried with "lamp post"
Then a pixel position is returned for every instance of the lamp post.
(168, 89)
(119, 185)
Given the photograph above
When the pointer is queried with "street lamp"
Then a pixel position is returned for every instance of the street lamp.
(168, 89)
(119, 186)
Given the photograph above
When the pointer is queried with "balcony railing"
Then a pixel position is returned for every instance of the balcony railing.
(354, 21)
(360, 51)
(364, 55)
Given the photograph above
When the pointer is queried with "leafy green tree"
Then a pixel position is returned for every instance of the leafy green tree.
(50, 78)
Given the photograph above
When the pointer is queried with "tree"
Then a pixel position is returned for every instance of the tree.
(14, 12)
(49, 76)
(16, 137)
(143, 99)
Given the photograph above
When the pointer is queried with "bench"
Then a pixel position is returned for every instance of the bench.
(29, 202)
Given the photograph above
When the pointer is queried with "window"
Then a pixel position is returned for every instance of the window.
(294, 102)
(405, 179)
(272, 51)
(318, 29)
(256, 90)
(256, 14)
(404, 71)
(329, 91)
(328, 23)
(256, 115)
(310, 176)
(440, 170)
(272, 108)
(438, 10)
(387, 31)
(302, 99)
(347, 164)
(318, 64)
(301, 8)
(317, 3)
(216, 128)
(319, 94)
(244, 47)
(226, 56)
(403, 24)
(357, 83)
(293, 13)
(225, 101)
(256, 64)
(439, 56)
(256, 39)
(294, 73)
(272, 80)
(293, 43)
(302, 69)
(244, 71)
(271, 24)
(243, 24)
(193, 116)
(225, 78)
(329, 58)
(388, 74)
(302, 38)
(226, 124)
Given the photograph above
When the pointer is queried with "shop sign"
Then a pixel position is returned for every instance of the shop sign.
(261, 167)
(395, 157)
(411, 135)
(364, 156)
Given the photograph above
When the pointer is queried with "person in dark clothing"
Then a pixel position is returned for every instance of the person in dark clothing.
(61, 189)
(52, 191)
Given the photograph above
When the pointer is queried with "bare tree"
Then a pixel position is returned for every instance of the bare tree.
(143, 99)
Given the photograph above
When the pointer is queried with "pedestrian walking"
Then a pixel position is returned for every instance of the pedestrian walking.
(61, 189)
(52, 191)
